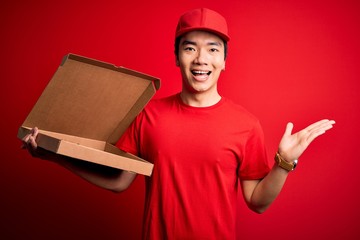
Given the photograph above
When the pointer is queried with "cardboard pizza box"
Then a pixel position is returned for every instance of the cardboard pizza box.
(86, 107)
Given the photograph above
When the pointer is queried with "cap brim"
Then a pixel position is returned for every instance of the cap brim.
(226, 38)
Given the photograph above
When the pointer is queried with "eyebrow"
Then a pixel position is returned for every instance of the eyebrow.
(188, 42)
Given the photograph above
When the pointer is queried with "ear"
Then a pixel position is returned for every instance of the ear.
(177, 63)
(223, 69)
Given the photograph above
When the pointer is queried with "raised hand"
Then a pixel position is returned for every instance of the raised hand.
(293, 145)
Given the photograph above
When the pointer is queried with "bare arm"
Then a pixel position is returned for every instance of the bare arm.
(259, 194)
(105, 177)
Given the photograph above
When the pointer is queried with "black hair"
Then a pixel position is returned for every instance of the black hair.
(177, 46)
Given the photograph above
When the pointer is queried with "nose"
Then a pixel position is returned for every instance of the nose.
(201, 58)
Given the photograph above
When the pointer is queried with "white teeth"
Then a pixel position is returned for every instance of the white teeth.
(200, 72)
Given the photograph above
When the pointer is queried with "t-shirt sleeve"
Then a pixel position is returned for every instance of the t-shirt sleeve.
(254, 163)
(128, 142)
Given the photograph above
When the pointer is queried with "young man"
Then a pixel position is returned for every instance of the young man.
(201, 144)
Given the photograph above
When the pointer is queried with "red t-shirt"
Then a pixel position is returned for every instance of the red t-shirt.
(198, 155)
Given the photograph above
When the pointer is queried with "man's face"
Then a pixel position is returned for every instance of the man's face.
(201, 60)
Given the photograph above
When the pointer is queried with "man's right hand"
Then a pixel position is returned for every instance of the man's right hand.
(113, 179)
(29, 143)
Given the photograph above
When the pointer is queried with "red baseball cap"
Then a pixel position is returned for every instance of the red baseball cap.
(202, 19)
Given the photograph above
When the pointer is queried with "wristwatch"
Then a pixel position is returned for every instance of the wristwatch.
(281, 162)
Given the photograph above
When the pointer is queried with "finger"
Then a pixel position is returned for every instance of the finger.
(315, 125)
(288, 129)
(318, 124)
(323, 126)
(32, 142)
(26, 138)
(25, 141)
(314, 135)
(29, 141)
(320, 130)
(35, 132)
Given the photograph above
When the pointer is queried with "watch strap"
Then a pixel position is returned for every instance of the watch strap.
(281, 162)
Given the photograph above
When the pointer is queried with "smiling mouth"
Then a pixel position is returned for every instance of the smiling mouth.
(200, 73)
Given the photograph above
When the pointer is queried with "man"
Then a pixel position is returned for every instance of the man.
(201, 144)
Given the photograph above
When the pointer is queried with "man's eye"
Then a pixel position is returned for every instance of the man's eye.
(214, 50)
(189, 49)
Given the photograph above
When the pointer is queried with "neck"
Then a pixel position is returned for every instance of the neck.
(200, 99)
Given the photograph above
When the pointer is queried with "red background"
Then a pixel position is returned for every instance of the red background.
(288, 61)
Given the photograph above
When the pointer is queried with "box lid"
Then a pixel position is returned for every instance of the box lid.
(91, 99)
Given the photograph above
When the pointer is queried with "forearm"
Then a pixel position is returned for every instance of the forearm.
(259, 194)
(265, 191)
(105, 177)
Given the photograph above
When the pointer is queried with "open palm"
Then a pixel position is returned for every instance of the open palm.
(293, 145)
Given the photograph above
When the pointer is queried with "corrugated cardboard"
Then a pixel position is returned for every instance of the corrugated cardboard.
(85, 109)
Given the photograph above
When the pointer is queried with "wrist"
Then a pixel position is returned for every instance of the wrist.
(283, 163)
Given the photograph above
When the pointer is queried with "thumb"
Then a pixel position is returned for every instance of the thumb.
(289, 128)
(34, 131)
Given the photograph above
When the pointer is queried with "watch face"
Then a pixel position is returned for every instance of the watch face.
(295, 164)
